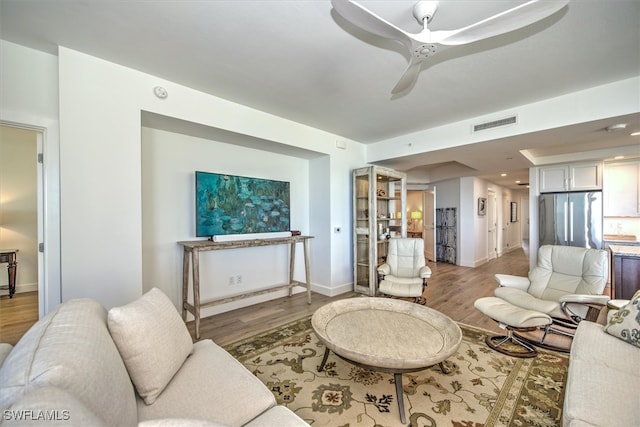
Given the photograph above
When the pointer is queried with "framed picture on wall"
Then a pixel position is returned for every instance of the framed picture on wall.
(482, 206)
(514, 212)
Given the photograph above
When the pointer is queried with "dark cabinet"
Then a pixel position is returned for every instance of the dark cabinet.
(626, 272)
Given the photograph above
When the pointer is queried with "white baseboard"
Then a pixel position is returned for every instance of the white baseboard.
(332, 292)
(21, 288)
(480, 262)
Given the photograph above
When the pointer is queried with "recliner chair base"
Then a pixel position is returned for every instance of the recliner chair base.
(556, 344)
(501, 343)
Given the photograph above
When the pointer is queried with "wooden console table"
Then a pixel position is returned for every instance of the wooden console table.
(9, 256)
(194, 248)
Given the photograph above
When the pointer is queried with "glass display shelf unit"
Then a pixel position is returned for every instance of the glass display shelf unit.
(379, 214)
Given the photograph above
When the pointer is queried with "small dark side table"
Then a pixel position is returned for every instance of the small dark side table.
(9, 256)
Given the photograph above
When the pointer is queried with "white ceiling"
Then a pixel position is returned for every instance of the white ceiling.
(302, 61)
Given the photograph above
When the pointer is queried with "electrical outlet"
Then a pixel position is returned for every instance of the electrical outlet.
(239, 279)
(231, 280)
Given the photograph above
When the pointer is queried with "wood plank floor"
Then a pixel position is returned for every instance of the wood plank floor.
(451, 290)
(17, 315)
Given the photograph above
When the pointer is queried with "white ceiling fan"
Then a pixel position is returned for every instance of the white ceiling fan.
(424, 44)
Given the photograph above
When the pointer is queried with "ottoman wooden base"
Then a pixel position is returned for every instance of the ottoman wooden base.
(512, 318)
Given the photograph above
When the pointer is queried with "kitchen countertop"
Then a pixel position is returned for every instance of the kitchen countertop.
(626, 250)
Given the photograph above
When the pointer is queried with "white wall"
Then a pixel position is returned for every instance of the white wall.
(320, 220)
(448, 194)
(29, 99)
(101, 173)
(342, 162)
(18, 204)
(473, 227)
(168, 214)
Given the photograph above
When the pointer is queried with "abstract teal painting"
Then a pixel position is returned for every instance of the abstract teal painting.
(230, 204)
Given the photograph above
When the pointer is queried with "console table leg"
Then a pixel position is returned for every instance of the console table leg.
(185, 282)
(12, 278)
(397, 377)
(292, 261)
(195, 260)
(305, 246)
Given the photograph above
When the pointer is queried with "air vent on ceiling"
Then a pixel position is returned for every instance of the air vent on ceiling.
(495, 123)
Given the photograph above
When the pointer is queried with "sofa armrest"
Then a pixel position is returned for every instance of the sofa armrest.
(617, 304)
(585, 299)
(384, 269)
(510, 281)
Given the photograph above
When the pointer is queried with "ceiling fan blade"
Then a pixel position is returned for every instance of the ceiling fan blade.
(369, 21)
(408, 78)
(509, 20)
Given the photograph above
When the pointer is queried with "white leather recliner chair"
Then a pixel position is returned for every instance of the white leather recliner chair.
(405, 273)
(564, 288)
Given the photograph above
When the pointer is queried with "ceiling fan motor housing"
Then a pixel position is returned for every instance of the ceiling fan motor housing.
(424, 10)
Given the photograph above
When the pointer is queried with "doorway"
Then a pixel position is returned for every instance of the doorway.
(21, 207)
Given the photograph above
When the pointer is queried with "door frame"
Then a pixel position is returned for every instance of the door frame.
(429, 217)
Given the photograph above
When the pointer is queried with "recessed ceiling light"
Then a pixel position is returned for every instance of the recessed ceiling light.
(518, 182)
(635, 134)
(618, 158)
(616, 127)
(503, 174)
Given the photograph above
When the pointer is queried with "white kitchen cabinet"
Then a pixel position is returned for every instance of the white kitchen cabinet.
(571, 177)
(622, 189)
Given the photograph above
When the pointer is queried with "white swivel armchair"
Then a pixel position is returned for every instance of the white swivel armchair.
(405, 273)
(563, 289)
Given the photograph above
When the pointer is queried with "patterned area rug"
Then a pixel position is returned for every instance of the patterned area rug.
(484, 388)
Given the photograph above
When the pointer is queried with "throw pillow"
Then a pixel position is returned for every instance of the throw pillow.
(153, 341)
(625, 323)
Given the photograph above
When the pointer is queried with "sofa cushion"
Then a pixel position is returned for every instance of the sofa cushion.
(212, 386)
(153, 341)
(625, 322)
(601, 368)
(49, 406)
(71, 349)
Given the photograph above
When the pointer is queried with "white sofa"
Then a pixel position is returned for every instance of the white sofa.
(135, 365)
(603, 384)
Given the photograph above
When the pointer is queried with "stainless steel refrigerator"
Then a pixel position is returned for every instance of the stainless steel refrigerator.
(571, 219)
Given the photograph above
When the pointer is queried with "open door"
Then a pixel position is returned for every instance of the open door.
(428, 224)
(504, 223)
